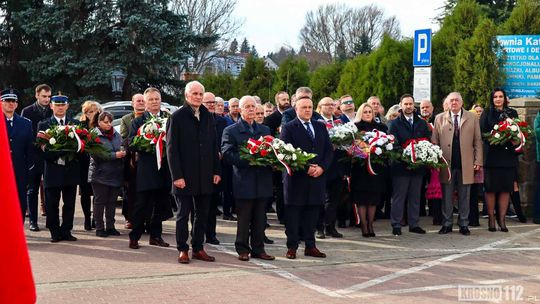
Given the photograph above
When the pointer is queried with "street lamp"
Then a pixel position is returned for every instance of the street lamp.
(117, 82)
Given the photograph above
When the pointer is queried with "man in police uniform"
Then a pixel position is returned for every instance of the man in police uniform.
(20, 142)
(61, 176)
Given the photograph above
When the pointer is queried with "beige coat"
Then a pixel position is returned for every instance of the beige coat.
(470, 143)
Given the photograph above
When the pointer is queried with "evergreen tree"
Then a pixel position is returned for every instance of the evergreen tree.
(219, 84)
(233, 49)
(477, 69)
(244, 47)
(254, 79)
(253, 52)
(291, 74)
(325, 79)
(524, 19)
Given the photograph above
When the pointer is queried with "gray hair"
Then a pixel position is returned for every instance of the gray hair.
(303, 91)
(191, 84)
(245, 99)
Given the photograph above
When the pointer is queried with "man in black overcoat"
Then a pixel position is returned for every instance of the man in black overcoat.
(195, 169)
(305, 190)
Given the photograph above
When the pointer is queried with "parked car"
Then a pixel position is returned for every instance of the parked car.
(121, 108)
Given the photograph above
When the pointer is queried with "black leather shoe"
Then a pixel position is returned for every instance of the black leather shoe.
(69, 237)
(55, 239)
(417, 230)
(267, 240)
(320, 235)
(112, 231)
(229, 217)
(333, 233)
(158, 242)
(396, 231)
(213, 241)
(101, 233)
(34, 227)
(445, 230)
(464, 230)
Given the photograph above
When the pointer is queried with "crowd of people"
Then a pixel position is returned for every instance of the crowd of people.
(202, 169)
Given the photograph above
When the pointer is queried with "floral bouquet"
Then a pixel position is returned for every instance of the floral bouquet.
(511, 130)
(150, 137)
(343, 135)
(421, 152)
(72, 140)
(381, 148)
(270, 151)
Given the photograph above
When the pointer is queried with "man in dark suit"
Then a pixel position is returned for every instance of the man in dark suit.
(152, 199)
(194, 166)
(252, 184)
(273, 121)
(407, 183)
(305, 190)
(61, 176)
(326, 225)
(290, 113)
(36, 112)
(20, 142)
(209, 102)
(130, 166)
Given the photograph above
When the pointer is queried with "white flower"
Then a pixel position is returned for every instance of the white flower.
(47, 131)
(509, 120)
(389, 147)
(289, 147)
(380, 142)
(378, 151)
(294, 157)
(52, 141)
(496, 127)
(514, 128)
(280, 156)
(71, 135)
(497, 135)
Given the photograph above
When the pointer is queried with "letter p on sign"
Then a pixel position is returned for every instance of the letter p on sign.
(422, 48)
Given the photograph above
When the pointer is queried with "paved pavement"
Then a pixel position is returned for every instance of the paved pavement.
(408, 269)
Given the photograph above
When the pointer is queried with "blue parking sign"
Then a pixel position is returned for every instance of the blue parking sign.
(422, 48)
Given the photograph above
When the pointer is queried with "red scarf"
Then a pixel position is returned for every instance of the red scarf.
(108, 134)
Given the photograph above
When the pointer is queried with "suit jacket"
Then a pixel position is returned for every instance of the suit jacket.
(56, 175)
(470, 143)
(148, 176)
(192, 151)
(21, 139)
(301, 189)
(36, 113)
(249, 182)
(403, 131)
(273, 121)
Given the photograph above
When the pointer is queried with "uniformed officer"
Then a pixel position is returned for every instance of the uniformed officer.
(61, 176)
(20, 142)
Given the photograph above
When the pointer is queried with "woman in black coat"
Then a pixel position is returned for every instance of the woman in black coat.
(367, 189)
(500, 161)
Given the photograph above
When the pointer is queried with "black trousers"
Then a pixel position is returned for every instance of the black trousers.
(277, 178)
(301, 218)
(148, 205)
(327, 216)
(34, 182)
(52, 196)
(199, 205)
(211, 224)
(251, 222)
(474, 213)
(228, 196)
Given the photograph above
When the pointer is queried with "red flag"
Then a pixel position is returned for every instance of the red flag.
(18, 283)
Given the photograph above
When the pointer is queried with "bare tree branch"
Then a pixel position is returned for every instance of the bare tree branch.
(209, 17)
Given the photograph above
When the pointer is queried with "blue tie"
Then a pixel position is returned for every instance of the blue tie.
(310, 133)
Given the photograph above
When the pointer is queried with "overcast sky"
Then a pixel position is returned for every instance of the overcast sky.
(270, 24)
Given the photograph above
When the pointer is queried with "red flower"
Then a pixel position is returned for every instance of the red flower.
(522, 124)
(263, 153)
(253, 150)
(503, 127)
(268, 138)
(97, 140)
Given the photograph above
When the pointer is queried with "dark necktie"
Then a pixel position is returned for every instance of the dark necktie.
(410, 121)
(10, 121)
(310, 133)
(456, 126)
(61, 122)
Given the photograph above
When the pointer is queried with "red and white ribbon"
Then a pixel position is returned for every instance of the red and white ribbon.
(159, 149)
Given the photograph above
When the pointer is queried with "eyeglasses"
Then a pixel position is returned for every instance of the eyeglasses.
(209, 102)
(347, 102)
